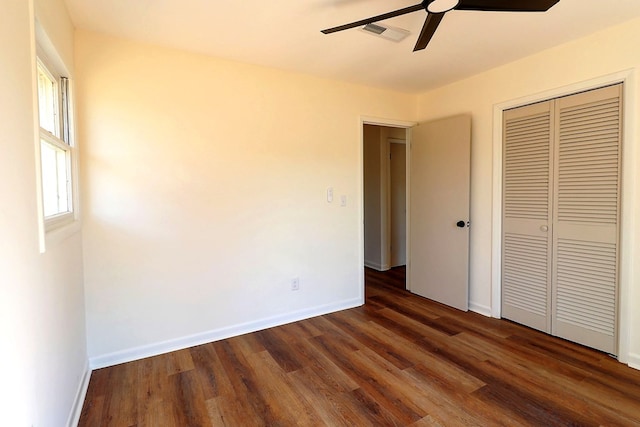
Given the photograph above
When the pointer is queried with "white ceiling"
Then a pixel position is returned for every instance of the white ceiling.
(286, 34)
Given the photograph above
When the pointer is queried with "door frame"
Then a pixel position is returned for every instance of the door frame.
(392, 123)
(630, 206)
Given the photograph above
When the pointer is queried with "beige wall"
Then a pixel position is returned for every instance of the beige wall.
(42, 325)
(604, 53)
(205, 194)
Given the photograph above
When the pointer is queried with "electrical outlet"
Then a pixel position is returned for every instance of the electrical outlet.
(295, 284)
(343, 201)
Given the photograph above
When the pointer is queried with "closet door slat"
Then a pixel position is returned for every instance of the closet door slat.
(526, 265)
(586, 217)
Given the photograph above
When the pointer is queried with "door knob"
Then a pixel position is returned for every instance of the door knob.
(460, 224)
(544, 228)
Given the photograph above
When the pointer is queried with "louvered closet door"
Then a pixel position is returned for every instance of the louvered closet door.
(526, 254)
(586, 217)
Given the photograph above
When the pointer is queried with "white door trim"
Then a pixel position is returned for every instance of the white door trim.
(630, 203)
(369, 120)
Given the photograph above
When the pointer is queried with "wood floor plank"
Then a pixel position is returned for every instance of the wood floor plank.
(365, 334)
(297, 331)
(187, 403)
(428, 421)
(528, 376)
(216, 412)
(151, 386)
(227, 411)
(333, 406)
(378, 411)
(522, 405)
(283, 399)
(361, 371)
(308, 328)
(179, 361)
(574, 397)
(323, 367)
(247, 343)
(420, 314)
(399, 360)
(279, 350)
(246, 394)
(211, 374)
(563, 379)
(158, 414)
(379, 382)
(478, 324)
(92, 412)
(456, 405)
(407, 327)
(98, 391)
(120, 409)
(421, 396)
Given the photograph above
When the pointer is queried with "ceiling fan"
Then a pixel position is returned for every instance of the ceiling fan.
(436, 9)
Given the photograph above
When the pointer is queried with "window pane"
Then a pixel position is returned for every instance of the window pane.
(49, 180)
(47, 101)
(55, 171)
(61, 166)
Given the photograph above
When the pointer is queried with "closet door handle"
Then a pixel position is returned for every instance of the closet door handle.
(544, 228)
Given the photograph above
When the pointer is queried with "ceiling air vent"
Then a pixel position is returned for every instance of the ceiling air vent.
(386, 32)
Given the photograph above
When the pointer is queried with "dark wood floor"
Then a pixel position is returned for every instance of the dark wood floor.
(396, 277)
(399, 360)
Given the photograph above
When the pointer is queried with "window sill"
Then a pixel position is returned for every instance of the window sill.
(60, 233)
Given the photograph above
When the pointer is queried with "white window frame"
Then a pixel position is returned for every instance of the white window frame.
(57, 141)
(56, 227)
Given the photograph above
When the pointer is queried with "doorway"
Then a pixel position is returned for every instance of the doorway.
(385, 201)
(437, 160)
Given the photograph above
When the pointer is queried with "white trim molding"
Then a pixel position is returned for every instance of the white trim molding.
(634, 361)
(376, 265)
(485, 310)
(391, 123)
(81, 394)
(630, 187)
(180, 343)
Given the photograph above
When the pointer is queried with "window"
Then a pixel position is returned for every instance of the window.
(56, 148)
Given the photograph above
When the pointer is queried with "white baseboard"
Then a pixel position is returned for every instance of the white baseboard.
(81, 394)
(141, 352)
(377, 266)
(634, 361)
(480, 309)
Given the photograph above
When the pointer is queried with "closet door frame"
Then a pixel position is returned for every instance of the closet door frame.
(630, 158)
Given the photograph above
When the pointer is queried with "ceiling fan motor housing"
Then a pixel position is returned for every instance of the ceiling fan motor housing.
(440, 6)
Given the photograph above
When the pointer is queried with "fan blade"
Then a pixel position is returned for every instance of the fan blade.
(375, 18)
(507, 5)
(428, 29)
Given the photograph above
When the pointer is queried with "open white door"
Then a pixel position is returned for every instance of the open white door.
(439, 203)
